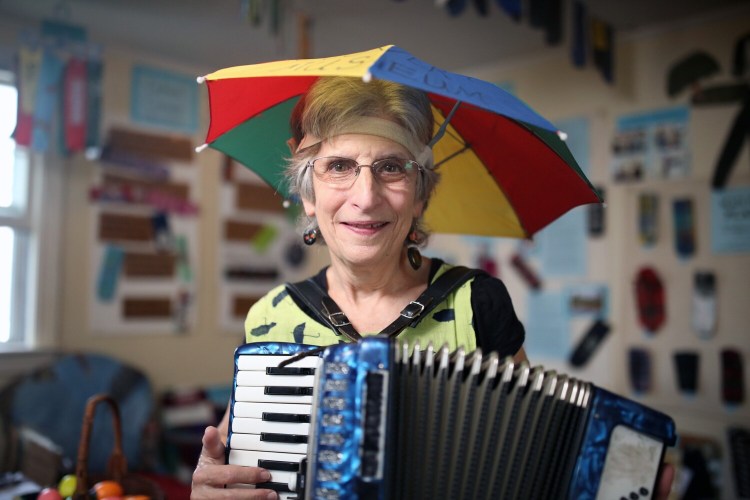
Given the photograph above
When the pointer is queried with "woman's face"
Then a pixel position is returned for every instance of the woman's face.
(367, 222)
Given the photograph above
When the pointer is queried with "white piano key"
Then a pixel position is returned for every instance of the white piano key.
(252, 442)
(251, 457)
(256, 426)
(282, 495)
(256, 410)
(248, 378)
(255, 394)
(261, 362)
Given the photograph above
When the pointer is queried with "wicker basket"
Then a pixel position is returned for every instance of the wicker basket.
(117, 466)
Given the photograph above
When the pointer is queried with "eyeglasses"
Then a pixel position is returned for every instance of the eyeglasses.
(343, 171)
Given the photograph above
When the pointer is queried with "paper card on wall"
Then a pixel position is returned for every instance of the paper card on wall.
(730, 220)
(164, 98)
(125, 227)
(241, 231)
(651, 145)
(180, 191)
(547, 326)
(149, 265)
(588, 299)
(684, 227)
(258, 197)
(241, 304)
(148, 145)
(109, 273)
(146, 307)
(184, 270)
(251, 273)
(162, 231)
(265, 238)
(563, 245)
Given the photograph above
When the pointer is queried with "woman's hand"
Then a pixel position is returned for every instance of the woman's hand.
(665, 482)
(212, 473)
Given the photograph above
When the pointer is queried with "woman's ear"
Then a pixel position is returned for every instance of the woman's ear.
(292, 145)
(418, 209)
(309, 207)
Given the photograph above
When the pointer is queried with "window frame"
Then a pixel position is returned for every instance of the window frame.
(40, 217)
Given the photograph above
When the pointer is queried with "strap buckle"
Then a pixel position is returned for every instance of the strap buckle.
(343, 321)
(412, 310)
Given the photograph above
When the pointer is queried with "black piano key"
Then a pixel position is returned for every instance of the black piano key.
(275, 390)
(275, 437)
(277, 487)
(285, 417)
(274, 370)
(279, 465)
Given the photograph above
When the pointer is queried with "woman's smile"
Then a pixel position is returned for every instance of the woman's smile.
(365, 228)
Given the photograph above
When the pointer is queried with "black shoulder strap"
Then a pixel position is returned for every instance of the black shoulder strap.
(432, 297)
(326, 310)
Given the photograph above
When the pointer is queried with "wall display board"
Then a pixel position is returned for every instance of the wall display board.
(143, 235)
(696, 367)
(259, 247)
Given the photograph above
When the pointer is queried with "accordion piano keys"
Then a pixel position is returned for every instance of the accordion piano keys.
(270, 418)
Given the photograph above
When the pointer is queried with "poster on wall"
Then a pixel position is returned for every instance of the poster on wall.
(143, 237)
(164, 99)
(547, 326)
(651, 145)
(730, 220)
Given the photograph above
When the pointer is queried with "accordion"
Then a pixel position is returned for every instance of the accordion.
(379, 419)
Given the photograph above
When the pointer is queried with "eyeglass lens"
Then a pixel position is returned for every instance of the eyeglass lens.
(338, 170)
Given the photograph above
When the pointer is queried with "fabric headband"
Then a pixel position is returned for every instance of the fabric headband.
(382, 128)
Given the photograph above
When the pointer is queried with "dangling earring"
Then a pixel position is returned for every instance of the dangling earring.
(310, 236)
(412, 253)
(415, 258)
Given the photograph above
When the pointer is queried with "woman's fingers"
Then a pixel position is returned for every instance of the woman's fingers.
(212, 474)
(665, 481)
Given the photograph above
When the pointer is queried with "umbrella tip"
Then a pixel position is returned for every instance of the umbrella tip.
(562, 135)
(200, 79)
(367, 77)
(200, 148)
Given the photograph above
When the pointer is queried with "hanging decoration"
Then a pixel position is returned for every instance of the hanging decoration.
(58, 74)
(591, 38)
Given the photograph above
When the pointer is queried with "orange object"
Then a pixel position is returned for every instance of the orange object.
(136, 497)
(107, 489)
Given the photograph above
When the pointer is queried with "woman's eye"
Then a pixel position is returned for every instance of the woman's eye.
(391, 167)
(339, 166)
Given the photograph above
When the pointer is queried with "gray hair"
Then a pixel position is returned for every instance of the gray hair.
(331, 103)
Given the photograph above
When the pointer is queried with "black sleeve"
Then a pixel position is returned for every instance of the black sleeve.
(495, 322)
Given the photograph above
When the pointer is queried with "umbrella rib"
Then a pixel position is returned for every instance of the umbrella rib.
(452, 155)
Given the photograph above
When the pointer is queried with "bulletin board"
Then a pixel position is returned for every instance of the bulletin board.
(701, 321)
(144, 237)
(260, 247)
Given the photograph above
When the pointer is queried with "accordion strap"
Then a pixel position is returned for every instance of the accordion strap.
(318, 301)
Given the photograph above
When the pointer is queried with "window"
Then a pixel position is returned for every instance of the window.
(15, 224)
(31, 195)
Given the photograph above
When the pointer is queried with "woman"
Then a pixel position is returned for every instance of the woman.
(364, 173)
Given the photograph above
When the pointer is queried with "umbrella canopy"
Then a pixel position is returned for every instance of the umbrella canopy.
(505, 170)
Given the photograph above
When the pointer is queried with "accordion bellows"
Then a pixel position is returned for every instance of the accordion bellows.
(379, 419)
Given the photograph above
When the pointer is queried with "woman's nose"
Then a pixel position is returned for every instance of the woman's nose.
(365, 188)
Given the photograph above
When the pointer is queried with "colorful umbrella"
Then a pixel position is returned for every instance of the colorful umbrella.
(505, 170)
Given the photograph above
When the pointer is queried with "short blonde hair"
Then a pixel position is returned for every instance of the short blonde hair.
(332, 102)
